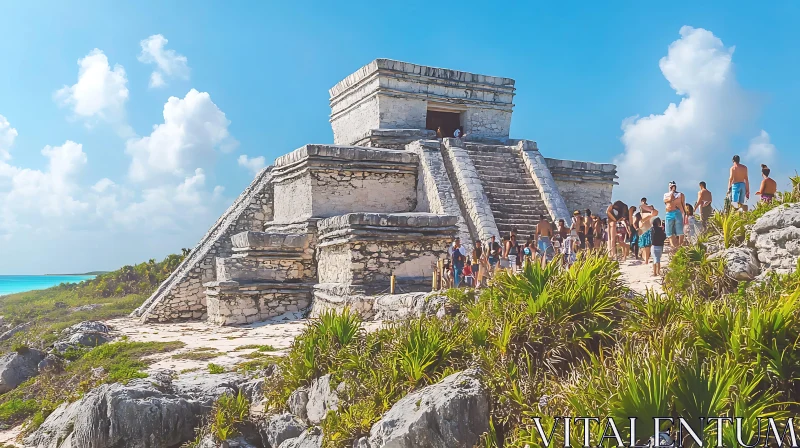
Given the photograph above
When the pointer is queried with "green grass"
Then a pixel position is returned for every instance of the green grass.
(260, 348)
(121, 362)
(200, 354)
(215, 369)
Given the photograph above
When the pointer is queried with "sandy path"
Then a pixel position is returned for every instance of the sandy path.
(639, 276)
(278, 332)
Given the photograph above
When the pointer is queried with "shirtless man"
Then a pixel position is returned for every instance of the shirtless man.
(704, 205)
(598, 232)
(768, 186)
(616, 212)
(544, 236)
(675, 203)
(738, 184)
(577, 225)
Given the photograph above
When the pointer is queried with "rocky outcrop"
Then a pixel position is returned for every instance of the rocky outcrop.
(450, 414)
(777, 238)
(281, 427)
(145, 413)
(238, 442)
(321, 399)
(10, 333)
(298, 401)
(19, 366)
(51, 363)
(85, 334)
(310, 438)
(741, 263)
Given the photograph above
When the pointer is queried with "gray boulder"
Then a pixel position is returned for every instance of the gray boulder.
(145, 413)
(10, 333)
(17, 367)
(403, 306)
(281, 427)
(741, 263)
(298, 401)
(450, 414)
(51, 363)
(207, 388)
(85, 334)
(777, 238)
(310, 438)
(238, 442)
(321, 399)
(253, 390)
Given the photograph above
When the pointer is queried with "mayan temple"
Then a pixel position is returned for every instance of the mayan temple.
(329, 225)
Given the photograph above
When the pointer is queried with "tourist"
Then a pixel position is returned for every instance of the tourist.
(468, 274)
(659, 238)
(447, 274)
(495, 251)
(504, 263)
(703, 205)
(675, 202)
(690, 224)
(577, 226)
(544, 236)
(458, 256)
(587, 229)
(623, 235)
(597, 227)
(477, 254)
(563, 231)
(648, 211)
(644, 240)
(457, 133)
(439, 132)
(570, 246)
(768, 186)
(616, 211)
(739, 185)
(633, 231)
(512, 251)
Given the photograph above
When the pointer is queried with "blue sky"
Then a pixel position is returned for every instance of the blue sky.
(267, 66)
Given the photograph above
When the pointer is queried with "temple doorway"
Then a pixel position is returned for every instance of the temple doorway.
(448, 121)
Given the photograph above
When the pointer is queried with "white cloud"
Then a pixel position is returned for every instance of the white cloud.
(761, 150)
(102, 185)
(100, 93)
(168, 62)
(254, 164)
(7, 137)
(683, 141)
(193, 127)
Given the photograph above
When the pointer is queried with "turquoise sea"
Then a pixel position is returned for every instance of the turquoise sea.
(10, 284)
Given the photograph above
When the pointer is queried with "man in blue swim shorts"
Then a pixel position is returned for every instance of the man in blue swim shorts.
(675, 203)
(739, 184)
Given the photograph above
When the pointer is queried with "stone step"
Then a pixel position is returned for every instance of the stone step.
(509, 185)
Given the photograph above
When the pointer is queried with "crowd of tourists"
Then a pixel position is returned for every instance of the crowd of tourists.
(626, 232)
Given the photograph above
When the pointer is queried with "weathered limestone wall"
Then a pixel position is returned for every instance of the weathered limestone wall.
(435, 192)
(363, 250)
(181, 296)
(405, 92)
(469, 190)
(584, 184)
(543, 178)
(397, 112)
(326, 180)
(487, 124)
(394, 138)
(248, 303)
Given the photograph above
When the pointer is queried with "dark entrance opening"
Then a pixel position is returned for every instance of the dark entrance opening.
(448, 121)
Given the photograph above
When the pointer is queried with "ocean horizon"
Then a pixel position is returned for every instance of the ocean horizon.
(12, 284)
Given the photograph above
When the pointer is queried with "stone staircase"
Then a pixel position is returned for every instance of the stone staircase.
(513, 197)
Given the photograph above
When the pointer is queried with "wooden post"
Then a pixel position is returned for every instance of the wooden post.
(391, 284)
(433, 286)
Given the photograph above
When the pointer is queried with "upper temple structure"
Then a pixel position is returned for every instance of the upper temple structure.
(334, 225)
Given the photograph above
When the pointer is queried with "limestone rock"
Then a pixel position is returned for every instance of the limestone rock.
(10, 333)
(145, 413)
(51, 363)
(777, 238)
(238, 442)
(321, 399)
(17, 367)
(207, 388)
(281, 427)
(741, 263)
(310, 438)
(298, 401)
(450, 414)
(253, 390)
(85, 334)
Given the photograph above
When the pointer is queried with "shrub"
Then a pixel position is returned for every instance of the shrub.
(215, 369)
(228, 414)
